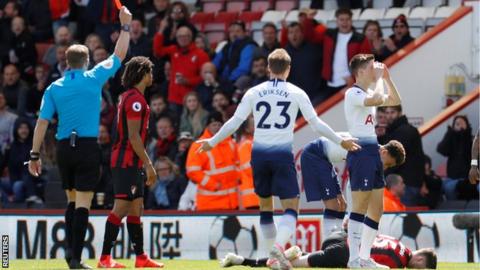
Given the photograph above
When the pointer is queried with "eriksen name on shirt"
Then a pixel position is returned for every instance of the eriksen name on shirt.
(277, 92)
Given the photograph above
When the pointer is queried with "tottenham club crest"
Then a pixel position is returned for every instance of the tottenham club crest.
(137, 106)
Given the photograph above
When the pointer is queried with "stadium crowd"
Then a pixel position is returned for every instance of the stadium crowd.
(196, 89)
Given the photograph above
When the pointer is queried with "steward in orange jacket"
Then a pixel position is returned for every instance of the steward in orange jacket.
(214, 172)
(249, 200)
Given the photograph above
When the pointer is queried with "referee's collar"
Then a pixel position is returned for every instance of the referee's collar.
(70, 73)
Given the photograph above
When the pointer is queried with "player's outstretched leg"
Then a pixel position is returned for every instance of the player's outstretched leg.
(135, 231)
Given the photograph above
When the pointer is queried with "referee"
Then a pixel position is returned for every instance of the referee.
(75, 98)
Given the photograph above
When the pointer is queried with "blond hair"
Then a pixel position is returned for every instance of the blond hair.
(279, 61)
(77, 56)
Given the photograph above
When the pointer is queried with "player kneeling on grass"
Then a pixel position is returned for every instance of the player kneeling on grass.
(334, 254)
(128, 158)
(320, 179)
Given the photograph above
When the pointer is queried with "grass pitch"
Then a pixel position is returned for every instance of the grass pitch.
(182, 265)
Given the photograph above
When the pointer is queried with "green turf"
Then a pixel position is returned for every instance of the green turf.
(179, 265)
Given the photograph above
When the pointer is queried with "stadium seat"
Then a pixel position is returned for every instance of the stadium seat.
(41, 49)
(412, 3)
(391, 14)
(325, 15)
(221, 21)
(286, 5)
(455, 3)
(433, 3)
(236, 5)
(330, 5)
(273, 16)
(213, 5)
(250, 16)
(440, 15)
(421, 13)
(214, 37)
(292, 16)
(199, 19)
(304, 3)
(261, 5)
(382, 3)
(368, 14)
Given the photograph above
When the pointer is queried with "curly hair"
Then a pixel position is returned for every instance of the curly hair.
(135, 70)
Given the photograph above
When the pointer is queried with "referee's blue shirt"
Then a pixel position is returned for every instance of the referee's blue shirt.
(76, 98)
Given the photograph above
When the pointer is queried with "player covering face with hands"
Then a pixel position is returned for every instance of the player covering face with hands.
(129, 157)
(275, 105)
(365, 166)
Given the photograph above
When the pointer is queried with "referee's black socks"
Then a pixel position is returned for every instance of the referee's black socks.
(135, 231)
(69, 214)
(80, 223)
(112, 227)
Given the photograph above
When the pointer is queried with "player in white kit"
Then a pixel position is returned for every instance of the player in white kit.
(365, 166)
(275, 105)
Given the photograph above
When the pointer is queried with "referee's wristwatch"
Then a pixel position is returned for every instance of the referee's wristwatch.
(34, 156)
(125, 27)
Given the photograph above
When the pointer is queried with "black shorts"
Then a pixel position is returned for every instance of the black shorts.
(128, 183)
(79, 166)
(334, 252)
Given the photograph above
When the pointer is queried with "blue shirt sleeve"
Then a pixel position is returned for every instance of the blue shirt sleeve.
(218, 59)
(243, 68)
(105, 69)
(47, 108)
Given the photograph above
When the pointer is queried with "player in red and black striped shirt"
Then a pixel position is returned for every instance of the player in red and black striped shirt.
(386, 250)
(129, 157)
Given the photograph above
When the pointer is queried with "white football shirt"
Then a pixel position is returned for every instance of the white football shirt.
(335, 153)
(360, 118)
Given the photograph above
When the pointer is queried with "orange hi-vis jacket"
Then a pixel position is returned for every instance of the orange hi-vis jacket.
(247, 191)
(392, 203)
(215, 173)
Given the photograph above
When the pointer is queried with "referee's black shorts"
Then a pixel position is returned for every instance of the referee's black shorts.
(79, 166)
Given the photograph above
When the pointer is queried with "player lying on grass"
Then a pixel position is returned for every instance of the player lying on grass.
(334, 254)
(320, 178)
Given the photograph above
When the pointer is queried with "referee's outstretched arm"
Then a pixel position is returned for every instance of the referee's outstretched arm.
(123, 41)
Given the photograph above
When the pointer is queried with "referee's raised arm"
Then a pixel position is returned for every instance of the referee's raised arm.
(121, 48)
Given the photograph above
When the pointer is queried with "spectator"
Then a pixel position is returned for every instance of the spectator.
(35, 94)
(22, 47)
(259, 71)
(178, 16)
(434, 185)
(456, 145)
(306, 61)
(222, 104)
(400, 37)
(7, 122)
(187, 61)
(93, 41)
(211, 84)
(10, 10)
(214, 171)
(158, 109)
(15, 90)
(373, 32)
(381, 126)
(162, 87)
(412, 171)
(24, 186)
(270, 41)
(39, 24)
(99, 54)
(63, 38)
(194, 117)
(160, 8)
(59, 13)
(170, 185)
(394, 190)
(184, 141)
(58, 69)
(104, 191)
(202, 42)
(235, 58)
(165, 144)
(140, 44)
(339, 46)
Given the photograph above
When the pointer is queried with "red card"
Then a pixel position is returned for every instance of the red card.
(118, 4)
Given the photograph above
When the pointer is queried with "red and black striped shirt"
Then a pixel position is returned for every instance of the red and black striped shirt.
(132, 106)
(391, 252)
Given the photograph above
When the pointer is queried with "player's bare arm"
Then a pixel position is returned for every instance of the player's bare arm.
(123, 41)
(137, 145)
(474, 174)
(35, 166)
